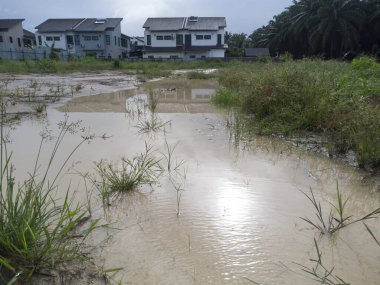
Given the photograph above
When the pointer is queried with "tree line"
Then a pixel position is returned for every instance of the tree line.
(327, 28)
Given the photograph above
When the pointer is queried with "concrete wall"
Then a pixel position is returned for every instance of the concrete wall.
(17, 34)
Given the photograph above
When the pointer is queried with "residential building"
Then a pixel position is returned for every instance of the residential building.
(137, 47)
(29, 39)
(11, 34)
(184, 37)
(81, 36)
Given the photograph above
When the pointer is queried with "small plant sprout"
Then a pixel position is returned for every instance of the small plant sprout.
(337, 218)
(169, 157)
(319, 272)
(179, 188)
(152, 125)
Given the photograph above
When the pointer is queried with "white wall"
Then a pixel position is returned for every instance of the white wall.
(163, 55)
(16, 32)
(61, 44)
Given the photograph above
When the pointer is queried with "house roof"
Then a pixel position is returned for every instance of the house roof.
(28, 34)
(6, 24)
(256, 52)
(164, 24)
(205, 23)
(78, 24)
(98, 25)
(190, 23)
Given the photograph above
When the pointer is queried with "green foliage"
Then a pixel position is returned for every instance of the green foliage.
(54, 54)
(198, 75)
(225, 98)
(128, 174)
(340, 101)
(328, 27)
(36, 228)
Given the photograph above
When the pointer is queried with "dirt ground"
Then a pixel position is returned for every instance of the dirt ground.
(29, 90)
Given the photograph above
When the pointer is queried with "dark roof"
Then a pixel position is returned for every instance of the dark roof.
(58, 25)
(78, 24)
(164, 24)
(190, 23)
(6, 24)
(256, 52)
(28, 34)
(98, 25)
(205, 23)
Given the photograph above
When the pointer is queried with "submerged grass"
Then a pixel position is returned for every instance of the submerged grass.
(339, 100)
(337, 217)
(128, 174)
(37, 229)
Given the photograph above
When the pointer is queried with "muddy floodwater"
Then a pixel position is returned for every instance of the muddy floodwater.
(240, 203)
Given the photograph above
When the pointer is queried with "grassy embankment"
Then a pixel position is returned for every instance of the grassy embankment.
(143, 68)
(338, 100)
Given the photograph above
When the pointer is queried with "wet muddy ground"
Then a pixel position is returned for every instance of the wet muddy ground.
(241, 202)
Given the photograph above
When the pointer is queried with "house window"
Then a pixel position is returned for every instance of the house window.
(192, 56)
(108, 40)
(199, 37)
(179, 40)
(151, 57)
(115, 40)
(57, 39)
(39, 41)
(49, 39)
(70, 40)
(95, 38)
(118, 41)
(11, 40)
(148, 40)
(1, 39)
(19, 42)
(87, 38)
(207, 37)
(160, 38)
(168, 38)
(77, 40)
(174, 56)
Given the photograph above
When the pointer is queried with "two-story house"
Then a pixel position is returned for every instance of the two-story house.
(184, 37)
(81, 36)
(11, 33)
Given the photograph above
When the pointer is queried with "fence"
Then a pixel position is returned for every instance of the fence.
(31, 54)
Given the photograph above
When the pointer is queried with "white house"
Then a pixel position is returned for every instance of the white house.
(81, 36)
(11, 33)
(184, 37)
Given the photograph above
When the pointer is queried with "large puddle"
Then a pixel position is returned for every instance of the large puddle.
(241, 204)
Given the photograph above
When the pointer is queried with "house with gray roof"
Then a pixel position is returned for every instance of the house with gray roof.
(11, 34)
(184, 37)
(81, 36)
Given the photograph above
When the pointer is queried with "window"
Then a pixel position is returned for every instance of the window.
(39, 41)
(77, 40)
(1, 39)
(148, 40)
(11, 40)
(115, 40)
(151, 57)
(87, 38)
(192, 56)
(168, 38)
(19, 42)
(49, 39)
(179, 40)
(95, 38)
(70, 40)
(57, 39)
(118, 41)
(108, 40)
(207, 37)
(199, 37)
(160, 38)
(174, 56)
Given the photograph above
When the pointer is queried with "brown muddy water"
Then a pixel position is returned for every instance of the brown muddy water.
(241, 203)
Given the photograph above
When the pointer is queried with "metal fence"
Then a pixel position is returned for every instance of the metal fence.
(30, 54)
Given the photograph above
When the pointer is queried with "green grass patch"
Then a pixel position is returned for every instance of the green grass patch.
(339, 100)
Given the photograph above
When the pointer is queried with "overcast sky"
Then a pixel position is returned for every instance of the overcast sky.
(243, 16)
